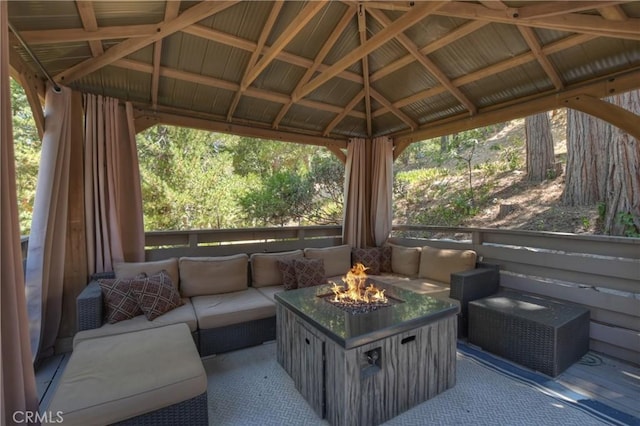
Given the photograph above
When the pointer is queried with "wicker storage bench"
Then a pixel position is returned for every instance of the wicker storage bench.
(542, 334)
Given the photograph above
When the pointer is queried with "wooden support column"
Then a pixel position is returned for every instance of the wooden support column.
(75, 264)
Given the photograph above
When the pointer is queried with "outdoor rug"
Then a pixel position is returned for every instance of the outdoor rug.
(248, 387)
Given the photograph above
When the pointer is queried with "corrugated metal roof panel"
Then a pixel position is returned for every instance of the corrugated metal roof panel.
(258, 110)
(281, 77)
(123, 84)
(385, 54)
(432, 28)
(488, 45)
(388, 123)
(336, 91)
(58, 57)
(143, 55)
(307, 118)
(348, 41)
(31, 15)
(405, 82)
(212, 100)
(244, 19)
(288, 14)
(588, 60)
(114, 13)
(434, 108)
(311, 38)
(350, 127)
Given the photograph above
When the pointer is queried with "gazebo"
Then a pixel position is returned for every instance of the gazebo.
(363, 79)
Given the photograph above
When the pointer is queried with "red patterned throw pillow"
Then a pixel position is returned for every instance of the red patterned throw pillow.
(309, 272)
(119, 301)
(156, 295)
(369, 257)
(286, 268)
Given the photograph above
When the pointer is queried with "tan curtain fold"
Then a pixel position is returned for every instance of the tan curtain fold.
(355, 222)
(113, 196)
(18, 380)
(47, 241)
(382, 189)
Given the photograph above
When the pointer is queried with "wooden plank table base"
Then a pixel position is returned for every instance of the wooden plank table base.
(370, 383)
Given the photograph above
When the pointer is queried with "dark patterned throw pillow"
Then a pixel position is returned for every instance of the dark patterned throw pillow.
(156, 295)
(289, 280)
(309, 272)
(119, 301)
(385, 259)
(369, 257)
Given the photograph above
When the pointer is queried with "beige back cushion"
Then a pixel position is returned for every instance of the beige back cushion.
(438, 264)
(131, 269)
(264, 267)
(405, 260)
(200, 276)
(337, 260)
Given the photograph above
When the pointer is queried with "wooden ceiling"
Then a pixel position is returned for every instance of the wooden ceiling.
(322, 72)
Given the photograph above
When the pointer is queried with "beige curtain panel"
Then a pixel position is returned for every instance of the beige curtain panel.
(113, 196)
(382, 189)
(18, 382)
(47, 241)
(355, 222)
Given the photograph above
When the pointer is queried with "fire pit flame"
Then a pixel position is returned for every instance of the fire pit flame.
(356, 290)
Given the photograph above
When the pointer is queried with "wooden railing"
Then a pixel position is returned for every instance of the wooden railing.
(599, 272)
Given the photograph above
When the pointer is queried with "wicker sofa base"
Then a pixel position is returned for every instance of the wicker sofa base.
(193, 412)
(539, 333)
(237, 336)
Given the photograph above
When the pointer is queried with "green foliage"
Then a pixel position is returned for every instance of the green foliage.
(628, 220)
(283, 197)
(27, 147)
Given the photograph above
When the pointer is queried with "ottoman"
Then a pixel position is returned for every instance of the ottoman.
(152, 376)
(542, 334)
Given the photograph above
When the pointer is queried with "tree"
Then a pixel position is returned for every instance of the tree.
(622, 189)
(28, 146)
(539, 143)
(587, 162)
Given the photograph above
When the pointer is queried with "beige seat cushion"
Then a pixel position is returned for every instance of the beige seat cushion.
(131, 269)
(264, 267)
(220, 310)
(405, 260)
(270, 291)
(181, 314)
(114, 378)
(438, 264)
(388, 278)
(213, 275)
(337, 260)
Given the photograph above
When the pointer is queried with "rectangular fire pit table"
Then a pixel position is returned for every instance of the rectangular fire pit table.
(365, 368)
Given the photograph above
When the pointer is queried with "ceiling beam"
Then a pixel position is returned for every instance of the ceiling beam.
(395, 111)
(598, 88)
(264, 34)
(428, 64)
(174, 118)
(324, 51)
(171, 10)
(362, 31)
(419, 12)
(613, 13)
(73, 35)
(570, 22)
(613, 114)
(194, 14)
(533, 43)
(302, 19)
(89, 23)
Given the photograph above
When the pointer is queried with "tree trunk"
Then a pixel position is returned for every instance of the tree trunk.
(540, 154)
(622, 195)
(444, 144)
(587, 159)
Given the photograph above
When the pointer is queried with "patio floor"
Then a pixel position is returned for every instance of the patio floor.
(603, 379)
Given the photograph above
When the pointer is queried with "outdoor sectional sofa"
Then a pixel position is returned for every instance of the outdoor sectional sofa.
(228, 300)
(116, 372)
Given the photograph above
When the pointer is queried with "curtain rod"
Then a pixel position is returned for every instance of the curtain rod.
(35, 59)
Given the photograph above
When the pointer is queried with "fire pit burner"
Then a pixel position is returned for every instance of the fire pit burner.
(359, 307)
